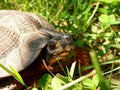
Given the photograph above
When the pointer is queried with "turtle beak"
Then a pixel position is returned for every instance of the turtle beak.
(59, 48)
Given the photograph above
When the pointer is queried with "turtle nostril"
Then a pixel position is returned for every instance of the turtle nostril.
(67, 37)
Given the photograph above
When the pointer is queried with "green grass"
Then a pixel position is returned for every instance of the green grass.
(93, 23)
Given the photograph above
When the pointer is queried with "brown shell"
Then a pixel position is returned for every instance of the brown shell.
(22, 36)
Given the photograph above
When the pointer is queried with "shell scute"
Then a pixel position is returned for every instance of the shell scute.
(8, 41)
(25, 23)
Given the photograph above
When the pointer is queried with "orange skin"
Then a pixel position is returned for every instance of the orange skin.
(83, 59)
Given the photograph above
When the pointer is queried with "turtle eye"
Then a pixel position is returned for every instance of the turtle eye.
(51, 46)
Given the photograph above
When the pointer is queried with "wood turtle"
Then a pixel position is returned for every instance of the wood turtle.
(24, 35)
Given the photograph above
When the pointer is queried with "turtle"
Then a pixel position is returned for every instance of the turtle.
(24, 35)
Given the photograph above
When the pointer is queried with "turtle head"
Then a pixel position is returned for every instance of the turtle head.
(60, 49)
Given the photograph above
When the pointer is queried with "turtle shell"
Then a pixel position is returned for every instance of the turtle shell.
(22, 37)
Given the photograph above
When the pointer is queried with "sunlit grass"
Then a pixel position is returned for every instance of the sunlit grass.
(93, 22)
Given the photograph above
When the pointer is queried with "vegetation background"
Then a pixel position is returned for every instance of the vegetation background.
(94, 23)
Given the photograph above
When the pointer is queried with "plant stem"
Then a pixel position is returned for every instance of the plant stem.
(98, 69)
